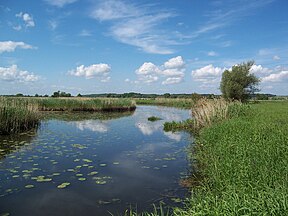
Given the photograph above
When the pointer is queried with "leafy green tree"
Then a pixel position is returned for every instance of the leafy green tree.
(56, 94)
(167, 95)
(19, 95)
(239, 83)
(262, 97)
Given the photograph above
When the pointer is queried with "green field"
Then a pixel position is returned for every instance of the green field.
(243, 164)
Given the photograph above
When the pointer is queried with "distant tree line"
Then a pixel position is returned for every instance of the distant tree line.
(193, 96)
(151, 96)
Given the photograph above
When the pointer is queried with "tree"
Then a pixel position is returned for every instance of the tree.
(56, 94)
(239, 83)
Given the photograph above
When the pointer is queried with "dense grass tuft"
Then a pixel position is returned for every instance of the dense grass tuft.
(206, 112)
(17, 115)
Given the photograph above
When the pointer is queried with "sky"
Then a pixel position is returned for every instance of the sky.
(146, 46)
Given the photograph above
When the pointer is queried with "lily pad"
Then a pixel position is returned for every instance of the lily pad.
(63, 185)
(81, 179)
(93, 173)
(29, 186)
(100, 182)
(87, 160)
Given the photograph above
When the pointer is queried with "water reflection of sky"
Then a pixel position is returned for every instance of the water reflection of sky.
(141, 121)
(140, 161)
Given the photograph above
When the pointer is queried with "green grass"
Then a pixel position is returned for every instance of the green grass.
(206, 112)
(17, 115)
(170, 102)
(243, 162)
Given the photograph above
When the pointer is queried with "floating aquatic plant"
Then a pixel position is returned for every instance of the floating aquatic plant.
(63, 185)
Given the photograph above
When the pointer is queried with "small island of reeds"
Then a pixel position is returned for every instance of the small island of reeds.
(22, 114)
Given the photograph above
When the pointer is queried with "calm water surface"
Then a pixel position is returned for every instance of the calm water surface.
(82, 166)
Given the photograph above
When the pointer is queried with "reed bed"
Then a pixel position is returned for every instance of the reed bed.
(206, 112)
(85, 104)
(17, 115)
(22, 114)
(184, 103)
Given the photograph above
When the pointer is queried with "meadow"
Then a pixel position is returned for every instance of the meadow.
(242, 162)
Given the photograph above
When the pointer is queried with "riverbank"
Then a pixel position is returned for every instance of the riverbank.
(183, 103)
(22, 114)
(243, 164)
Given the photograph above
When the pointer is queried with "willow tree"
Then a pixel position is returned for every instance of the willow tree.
(239, 83)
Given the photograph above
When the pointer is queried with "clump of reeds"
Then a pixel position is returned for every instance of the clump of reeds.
(105, 104)
(208, 111)
(17, 115)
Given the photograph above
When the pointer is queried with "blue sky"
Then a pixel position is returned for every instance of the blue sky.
(97, 46)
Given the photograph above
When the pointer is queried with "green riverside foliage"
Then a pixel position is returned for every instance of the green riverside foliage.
(244, 164)
(206, 112)
(239, 83)
(22, 114)
(171, 102)
(153, 118)
(17, 115)
(82, 104)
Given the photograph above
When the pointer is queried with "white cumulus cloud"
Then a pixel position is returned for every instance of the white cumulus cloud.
(208, 71)
(14, 74)
(176, 62)
(172, 70)
(28, 20)
(276, 77)
(148, 68)
(259, 70)
(172, 80)
(10, 46)
(95, 70)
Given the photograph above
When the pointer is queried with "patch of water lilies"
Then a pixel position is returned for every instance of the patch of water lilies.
(102, 180)
(61, 158)
(29, 186)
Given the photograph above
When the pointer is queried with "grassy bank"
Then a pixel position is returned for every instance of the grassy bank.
(17, 115)
(170, 102)
(243, 162)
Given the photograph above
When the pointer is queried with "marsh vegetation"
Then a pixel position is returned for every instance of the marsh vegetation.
(22, 114)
